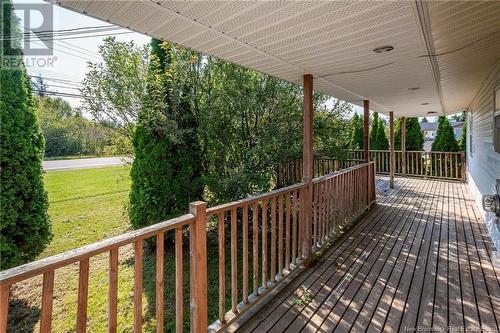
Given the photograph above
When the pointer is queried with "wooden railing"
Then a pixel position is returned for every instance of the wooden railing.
(272, 242)
(194, 222)
(443, 165)
(290, 171)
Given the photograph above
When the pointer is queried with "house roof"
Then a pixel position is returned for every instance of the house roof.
(442, 50)
(432, 126)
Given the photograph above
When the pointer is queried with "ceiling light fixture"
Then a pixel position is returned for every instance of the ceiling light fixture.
(383, 49)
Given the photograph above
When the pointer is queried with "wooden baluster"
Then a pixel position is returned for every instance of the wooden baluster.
(234, 262)
(315, 211)
(294, 222)
(300, 226)
(325, 210)
(273, 238)
(456, 166)
(179, 283)
(222, 267)
(113, 291)
(160, 253)
(255, 245)
(47, 301)
(280, 235)
(264, 243)
(245, 254)
(138, 286)
(287, 231)
(4, 306)
(83, 292)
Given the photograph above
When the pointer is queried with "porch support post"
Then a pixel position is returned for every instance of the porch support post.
(308, 167)
(198, 267)
(392, 158)
(366, 105)
(403, 145)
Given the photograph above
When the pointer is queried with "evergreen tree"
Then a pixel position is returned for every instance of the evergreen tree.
(424, 120)
(374, 131)
(463, 139)
(357, 132)
(445, 137)
(166, 172)
(382, 141)
(24, 223)
(414, 135)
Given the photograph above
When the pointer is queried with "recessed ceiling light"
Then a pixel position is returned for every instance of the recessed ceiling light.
(431, 112)
(414, 88)
(383, 49)
(425, 103)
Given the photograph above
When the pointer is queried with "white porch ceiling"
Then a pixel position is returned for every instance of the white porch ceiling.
(334, 41)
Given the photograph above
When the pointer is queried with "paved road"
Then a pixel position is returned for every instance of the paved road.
(83, 163)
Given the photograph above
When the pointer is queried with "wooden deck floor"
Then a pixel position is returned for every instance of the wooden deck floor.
(419, 259)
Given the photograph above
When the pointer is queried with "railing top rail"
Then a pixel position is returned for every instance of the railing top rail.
(239, 203)
(340, 172)
(31, 269)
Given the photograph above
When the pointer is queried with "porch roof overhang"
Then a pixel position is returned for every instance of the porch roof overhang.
(443, 51)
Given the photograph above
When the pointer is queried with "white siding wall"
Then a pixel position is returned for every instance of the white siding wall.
(483, 161)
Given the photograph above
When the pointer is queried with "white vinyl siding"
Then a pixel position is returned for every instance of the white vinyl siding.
(483, 160)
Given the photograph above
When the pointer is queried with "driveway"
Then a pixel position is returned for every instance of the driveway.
(84, 163)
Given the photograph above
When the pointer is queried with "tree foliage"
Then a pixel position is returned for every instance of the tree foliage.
(24, 223)
(357, 132)
(115, 88)
(166, 172)
(445, 136)
(414, 135)
(68, 133)
(378, 139)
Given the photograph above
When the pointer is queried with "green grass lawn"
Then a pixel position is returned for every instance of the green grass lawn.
(86, 206)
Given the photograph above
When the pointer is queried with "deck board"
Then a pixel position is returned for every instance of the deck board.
(419, 259)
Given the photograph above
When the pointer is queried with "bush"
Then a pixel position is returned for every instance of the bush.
(414, 135)
(24, 222)
(165, 173)
(445, 137)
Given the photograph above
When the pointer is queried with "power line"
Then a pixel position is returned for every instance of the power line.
(60, 94)
(49, 38)
(74, 29)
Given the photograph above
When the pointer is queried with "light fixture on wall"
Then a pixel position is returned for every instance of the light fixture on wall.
(425, 103)
(383, 49)
(431, 112)
(414, 88)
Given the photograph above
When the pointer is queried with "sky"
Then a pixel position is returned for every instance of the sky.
(70, 56)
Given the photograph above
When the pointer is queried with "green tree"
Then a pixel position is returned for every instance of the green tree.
(463, 139)
(25, 227)
(382, 141)
(166, 172)
(378, 139)
(374, 131)
(414, 135)
(115, 89)
(357, 132)
(445, 137)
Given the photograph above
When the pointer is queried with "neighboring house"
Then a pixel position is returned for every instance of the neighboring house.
(430, 129)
